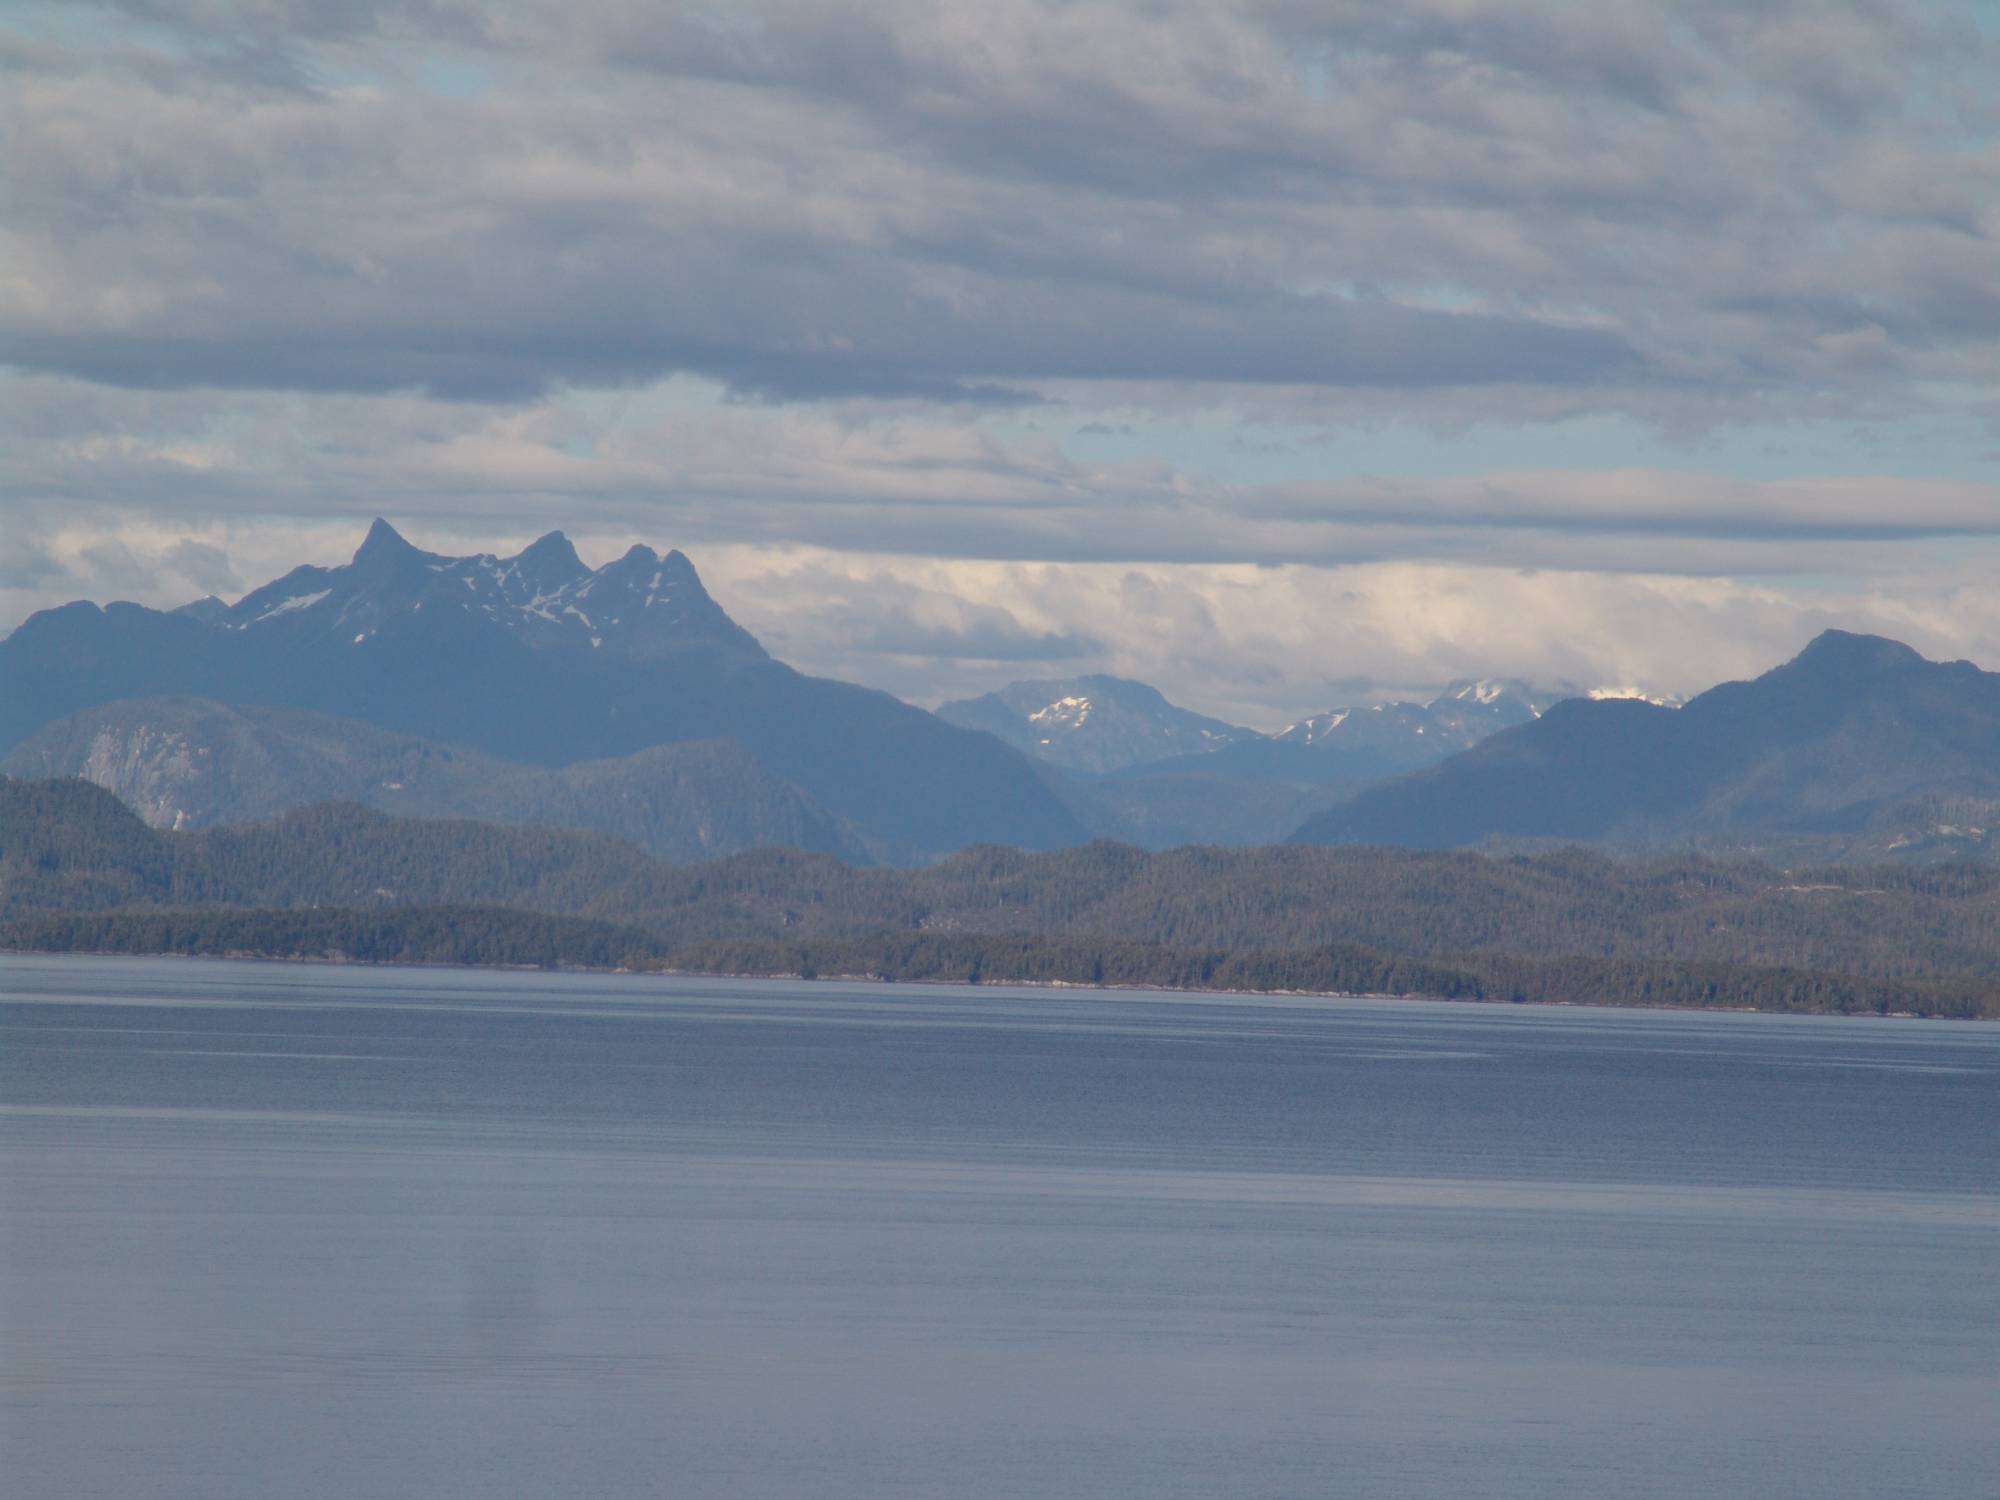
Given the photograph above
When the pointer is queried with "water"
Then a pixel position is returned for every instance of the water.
(276, 1230)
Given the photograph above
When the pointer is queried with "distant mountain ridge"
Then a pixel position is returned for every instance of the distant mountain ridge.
(1093, 723)
(536, 659)
(1858, 740)
(1112, 725)
(643, 605)
(1401, 736)
(624, 698)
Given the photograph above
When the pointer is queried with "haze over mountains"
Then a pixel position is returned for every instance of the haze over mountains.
(623, 699)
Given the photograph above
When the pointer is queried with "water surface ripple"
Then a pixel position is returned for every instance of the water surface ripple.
(325, 1231)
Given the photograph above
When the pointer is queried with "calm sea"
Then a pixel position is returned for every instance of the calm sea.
(289, 1231)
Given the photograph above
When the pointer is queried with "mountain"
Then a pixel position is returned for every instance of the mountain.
(191, 763)
(1092, 724)
(1258, 788)
(1160, 776)
(1390, 737)
(537, 659)
(1857, 747)
(1100, 725)
(642, 607)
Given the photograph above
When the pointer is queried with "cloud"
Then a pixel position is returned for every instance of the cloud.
(886, 614)
(28, 565)
(682, 469)
(907, 320)
(1265, 646)
(956, 202)
(1262, 645)
(205, 567)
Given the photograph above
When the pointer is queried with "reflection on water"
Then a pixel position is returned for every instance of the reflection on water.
(309, 1231)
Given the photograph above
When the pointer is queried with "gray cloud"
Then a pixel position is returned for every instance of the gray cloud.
(953, 202)
(911, 481)
(268, 267)
(206, 567)
(1267, 646)
(116, 571)
(28, 564)
(880, 615)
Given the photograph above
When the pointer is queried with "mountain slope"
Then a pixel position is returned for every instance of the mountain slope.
(535, 659)
(1858, 743)
(193, 763)
(1093, 723)
(72, 846)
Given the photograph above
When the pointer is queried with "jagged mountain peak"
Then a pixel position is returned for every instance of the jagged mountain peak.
(535, 659)
(1480, 690)
(384, 543)
(1506, 698)
(643, 605)
(550, 555)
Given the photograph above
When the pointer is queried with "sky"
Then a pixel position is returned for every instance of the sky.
(1279, 354)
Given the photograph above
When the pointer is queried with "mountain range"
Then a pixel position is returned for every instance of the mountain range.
(538, 660)
(1107, 725)
(623, 699)
(1158, 775)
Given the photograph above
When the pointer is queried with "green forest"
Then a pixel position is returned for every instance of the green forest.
(78, 871)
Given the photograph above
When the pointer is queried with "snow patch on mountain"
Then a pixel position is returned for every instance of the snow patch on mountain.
(297, 602)
(1092, 724)
(1633, 694)
(645, 604)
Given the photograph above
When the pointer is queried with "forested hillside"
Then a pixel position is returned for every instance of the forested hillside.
(1575, 919)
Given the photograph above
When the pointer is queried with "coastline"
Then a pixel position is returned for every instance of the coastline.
(1104, 987)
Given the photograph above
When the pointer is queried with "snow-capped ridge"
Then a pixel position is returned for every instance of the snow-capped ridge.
(1409, 734)
(644, 604)
(1094, 724)
(1627, 693)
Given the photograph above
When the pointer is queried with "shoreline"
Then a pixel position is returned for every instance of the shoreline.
(794, 977)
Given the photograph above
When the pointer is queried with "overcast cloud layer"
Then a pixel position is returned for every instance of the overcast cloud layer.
(1269, 352)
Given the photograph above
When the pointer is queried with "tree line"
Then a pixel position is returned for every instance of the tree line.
(506, 937)
(1566, 924)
